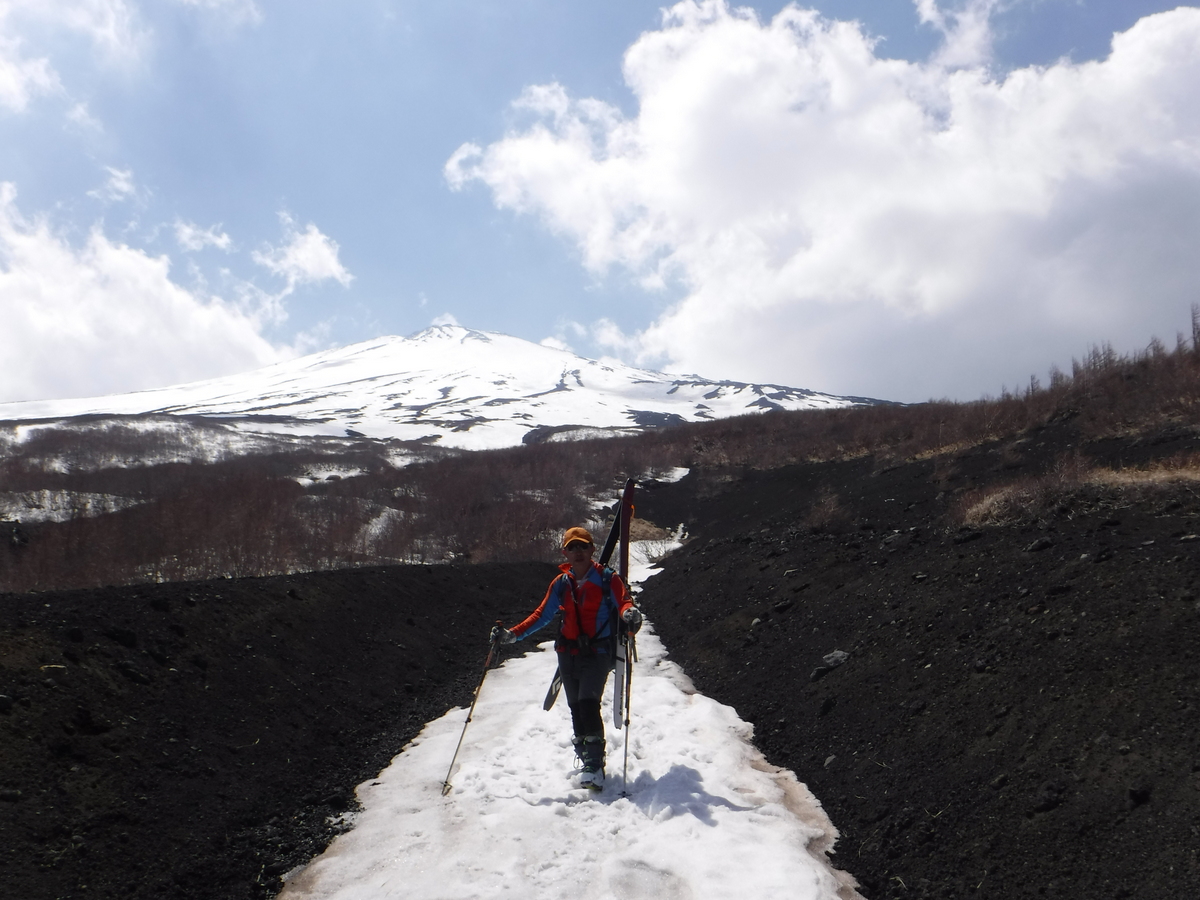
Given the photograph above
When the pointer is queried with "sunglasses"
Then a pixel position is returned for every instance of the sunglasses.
(578, 545)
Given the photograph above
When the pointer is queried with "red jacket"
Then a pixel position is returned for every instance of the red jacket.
(583, 607)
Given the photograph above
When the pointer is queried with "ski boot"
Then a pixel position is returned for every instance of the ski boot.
(590, 751)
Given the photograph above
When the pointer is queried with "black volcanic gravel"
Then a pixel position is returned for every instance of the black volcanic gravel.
(1017, 714)
(195, 740)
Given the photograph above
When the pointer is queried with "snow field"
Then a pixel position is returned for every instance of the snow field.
(432, 384)
(706, 816)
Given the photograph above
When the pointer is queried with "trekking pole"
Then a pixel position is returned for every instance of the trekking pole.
(492, 648)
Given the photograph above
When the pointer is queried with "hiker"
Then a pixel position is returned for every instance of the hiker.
(586, 643)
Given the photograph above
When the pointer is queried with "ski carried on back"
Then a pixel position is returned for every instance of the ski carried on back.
(619, 682)
(627, 646)
(622, 672)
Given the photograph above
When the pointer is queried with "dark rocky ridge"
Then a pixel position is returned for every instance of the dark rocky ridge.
(1017, 714)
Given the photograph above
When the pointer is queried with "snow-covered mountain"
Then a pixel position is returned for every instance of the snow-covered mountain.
(461, 388)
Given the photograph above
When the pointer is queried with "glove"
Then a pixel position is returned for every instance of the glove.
(501, 635)
(632, 618)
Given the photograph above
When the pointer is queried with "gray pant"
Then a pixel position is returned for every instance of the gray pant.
(583, 680)
(584, 676)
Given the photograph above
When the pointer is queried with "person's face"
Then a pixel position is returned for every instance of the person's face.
(577, 552)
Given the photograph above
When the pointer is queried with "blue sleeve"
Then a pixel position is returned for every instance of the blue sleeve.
(541, 617)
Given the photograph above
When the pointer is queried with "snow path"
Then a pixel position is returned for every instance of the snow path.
(707, 817)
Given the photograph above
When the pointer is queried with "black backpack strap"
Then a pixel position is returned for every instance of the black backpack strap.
(618, 623)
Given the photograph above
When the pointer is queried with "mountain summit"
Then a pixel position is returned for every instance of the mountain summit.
(461, 388)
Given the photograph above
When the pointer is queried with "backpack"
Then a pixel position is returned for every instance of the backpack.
(584, 644)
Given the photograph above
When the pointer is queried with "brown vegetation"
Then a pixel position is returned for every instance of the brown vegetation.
(255, 514)
(1074, 479)
(827, 513)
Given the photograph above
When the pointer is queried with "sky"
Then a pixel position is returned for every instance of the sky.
(905, 200)
(516, 824)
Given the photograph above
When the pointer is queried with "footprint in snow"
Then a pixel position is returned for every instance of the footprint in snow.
(639, 880)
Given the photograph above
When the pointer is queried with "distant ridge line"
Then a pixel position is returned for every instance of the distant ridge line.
(449, 385)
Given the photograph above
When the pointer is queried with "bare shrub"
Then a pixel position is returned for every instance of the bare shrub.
(654, 551)
(255, 514)
(1183, 467)
(1072, 477)
(641, 530)
(827, 513)
(1009, 504)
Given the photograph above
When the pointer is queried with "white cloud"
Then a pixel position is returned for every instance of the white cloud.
(193, 238)
(608, 335)
(81, 117)
(119, 186)
(21, 79)
(308, 256)
(461, 167)
(444, 319)
(847, 222)
(236, 12)
(106, 318)
(566, 329)
(555, 343)
(111, 25)
(965, 28)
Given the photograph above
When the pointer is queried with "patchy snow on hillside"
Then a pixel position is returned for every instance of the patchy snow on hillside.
(669, 476)
(59, 506)
(91, 444)
(327, 472)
